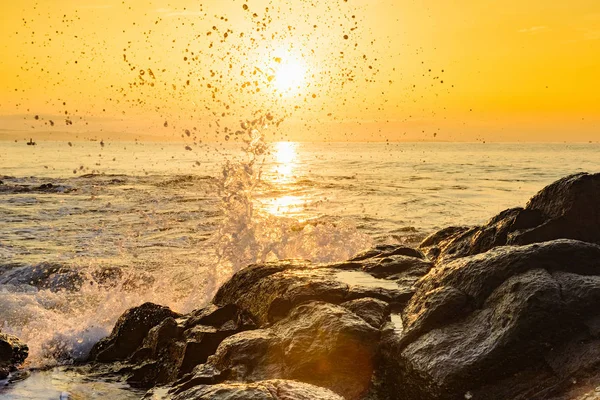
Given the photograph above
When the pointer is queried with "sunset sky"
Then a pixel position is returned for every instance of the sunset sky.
(462, 70)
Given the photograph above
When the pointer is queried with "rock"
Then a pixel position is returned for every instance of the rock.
(317, 343)
(175, 346)
(271, 290)
(213, 315)
(568, 208)
(375, 312)
(56, 277)
(44, 275)
(129, 332)
(13, 353)
(391, 267)
(264, 390)
(387, 250)
(493, 324)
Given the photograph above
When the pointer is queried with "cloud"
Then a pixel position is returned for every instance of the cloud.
(534, 29)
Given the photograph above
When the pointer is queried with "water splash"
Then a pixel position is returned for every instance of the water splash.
(250, 235)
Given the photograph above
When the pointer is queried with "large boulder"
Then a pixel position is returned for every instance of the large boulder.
(269, 291)
(515, 322)
(318, 343)
(567, 209)
(13, 353)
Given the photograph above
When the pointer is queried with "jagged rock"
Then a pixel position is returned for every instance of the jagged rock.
(129, 332)
(13, 353)
(318, 343)
(174, 347)
(492, 324)
(568, 208)
(275, 389)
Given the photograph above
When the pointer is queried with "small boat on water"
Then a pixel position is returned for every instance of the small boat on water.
(31, 142)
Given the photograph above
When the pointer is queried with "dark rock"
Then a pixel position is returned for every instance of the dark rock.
(390, 266)
(387, 250)
(13, 353)
(264, 390)
(568, 208)
(375, 312)
(213, 315)
(492, 324)
(44, 276)
(129, 332)
(175, 346)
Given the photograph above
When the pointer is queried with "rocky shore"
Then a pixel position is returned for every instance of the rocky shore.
(507, 310)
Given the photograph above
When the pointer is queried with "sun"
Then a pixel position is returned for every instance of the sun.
(289, 76)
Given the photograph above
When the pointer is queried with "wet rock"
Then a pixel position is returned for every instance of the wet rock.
(213, 315)
(375, 312)
(276, 389)
(129, 332)
(57, 277)
(387, 250)
(568, 208)
(174, 347)
(269, 298)
(269, 291)
(44, 276)
(317, 343)
(13, 353)
(491, 324)
(393, 266)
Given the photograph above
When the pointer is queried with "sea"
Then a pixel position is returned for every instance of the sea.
(89, 229)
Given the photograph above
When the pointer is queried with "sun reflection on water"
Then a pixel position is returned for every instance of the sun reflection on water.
(285, 205)
(285, 161)
(283, 172)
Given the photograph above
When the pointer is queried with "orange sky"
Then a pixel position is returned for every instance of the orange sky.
(459, 70)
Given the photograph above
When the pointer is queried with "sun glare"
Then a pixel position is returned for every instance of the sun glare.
(290, 76)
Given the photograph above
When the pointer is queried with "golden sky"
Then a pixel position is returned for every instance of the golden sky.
(459, 70)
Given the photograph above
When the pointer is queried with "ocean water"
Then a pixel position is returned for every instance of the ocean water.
(90, 229)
